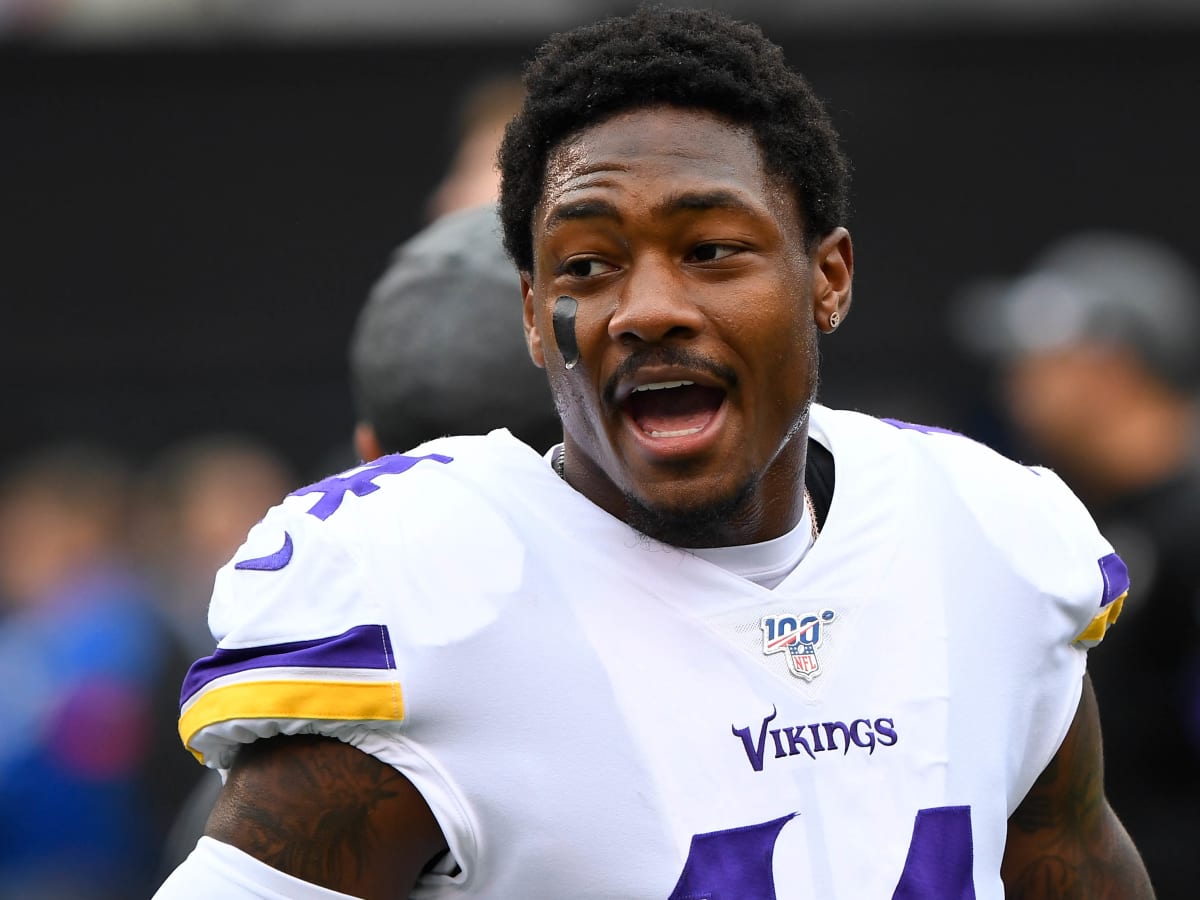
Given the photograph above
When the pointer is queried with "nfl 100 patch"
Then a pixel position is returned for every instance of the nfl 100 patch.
(799, 637)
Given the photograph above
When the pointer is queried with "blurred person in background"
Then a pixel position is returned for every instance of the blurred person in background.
(437, 350)
(1098, 353)
(199, 499)
(472, 178)
(87, 698)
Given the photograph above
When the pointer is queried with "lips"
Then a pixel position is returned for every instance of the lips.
(673, 409)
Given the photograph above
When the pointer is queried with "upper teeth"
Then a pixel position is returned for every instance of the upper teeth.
(662, 385)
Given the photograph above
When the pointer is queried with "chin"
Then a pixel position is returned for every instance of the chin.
(712, 522)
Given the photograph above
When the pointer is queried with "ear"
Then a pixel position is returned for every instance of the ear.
(833, 274)
(366, 442)
(533, 335)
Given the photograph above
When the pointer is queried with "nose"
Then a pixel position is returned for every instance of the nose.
(656, 303)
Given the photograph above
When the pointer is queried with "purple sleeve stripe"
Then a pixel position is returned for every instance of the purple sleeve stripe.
(1116, 578)
(924, 429)
(362, 647)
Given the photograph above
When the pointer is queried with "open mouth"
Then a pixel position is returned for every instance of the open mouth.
(670, 409)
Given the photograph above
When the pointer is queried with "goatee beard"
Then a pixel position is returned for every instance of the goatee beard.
(710, 525)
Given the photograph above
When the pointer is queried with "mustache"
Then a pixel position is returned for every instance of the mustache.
(680, 357)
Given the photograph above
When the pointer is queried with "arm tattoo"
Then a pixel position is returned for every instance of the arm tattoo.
(1064, 841)
(324, 812)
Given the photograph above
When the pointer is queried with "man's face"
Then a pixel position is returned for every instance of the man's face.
(1063, 400)
(698, 308)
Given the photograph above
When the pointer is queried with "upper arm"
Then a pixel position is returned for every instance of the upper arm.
(1064, 841)
(325, 812)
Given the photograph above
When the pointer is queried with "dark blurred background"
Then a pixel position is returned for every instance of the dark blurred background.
(195, 202)
(196, 197)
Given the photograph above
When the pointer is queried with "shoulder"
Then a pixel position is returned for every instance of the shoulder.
(404, 494)
(475, 463)
(939, 449)
(939, 462)
(960, 471)
(314, 610)
(325, 540)
(1024, 516)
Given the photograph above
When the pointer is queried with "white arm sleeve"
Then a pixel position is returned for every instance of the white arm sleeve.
(217, 869)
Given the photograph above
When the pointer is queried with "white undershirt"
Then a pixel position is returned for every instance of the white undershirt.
(766, 563)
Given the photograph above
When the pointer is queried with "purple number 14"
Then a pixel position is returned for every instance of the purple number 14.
(736, 864)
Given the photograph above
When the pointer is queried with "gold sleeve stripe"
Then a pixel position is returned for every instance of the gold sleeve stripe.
(325, 700)
(1096, 629)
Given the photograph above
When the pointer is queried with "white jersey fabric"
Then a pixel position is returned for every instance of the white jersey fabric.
(593, 714)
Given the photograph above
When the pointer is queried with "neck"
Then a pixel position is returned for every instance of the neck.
(766, 504)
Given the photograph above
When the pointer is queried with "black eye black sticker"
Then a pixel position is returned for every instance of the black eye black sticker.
(564, 329)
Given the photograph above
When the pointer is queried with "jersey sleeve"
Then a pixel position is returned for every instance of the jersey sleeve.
(341, 611)
(1098, 591)
(1053, 587)
(1041, 527)
(302, 646)
(216, 869)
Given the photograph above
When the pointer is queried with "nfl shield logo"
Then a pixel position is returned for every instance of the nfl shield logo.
(805, 664)
(799, 637)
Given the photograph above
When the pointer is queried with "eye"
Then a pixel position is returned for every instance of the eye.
(586, 267)
(712, 252)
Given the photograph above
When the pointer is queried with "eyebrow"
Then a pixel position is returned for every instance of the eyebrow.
(581, 209)
(686, 201)
(699, 201)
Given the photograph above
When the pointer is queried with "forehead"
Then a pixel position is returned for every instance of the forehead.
(648, 156)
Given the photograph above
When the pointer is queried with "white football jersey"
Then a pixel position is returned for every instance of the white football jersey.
(592, 714)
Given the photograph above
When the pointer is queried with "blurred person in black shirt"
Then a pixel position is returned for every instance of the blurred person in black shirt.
(1098, 352)
(436, 349)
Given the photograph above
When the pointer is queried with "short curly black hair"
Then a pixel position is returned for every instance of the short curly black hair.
(691, 58)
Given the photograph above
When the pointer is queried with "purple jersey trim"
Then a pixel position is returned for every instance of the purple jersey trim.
(941, 857)
(272, 563)
(362, 647)
(934, 429)
(1116, 578)
(924, 429)
(360, 482)
(732, 863)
